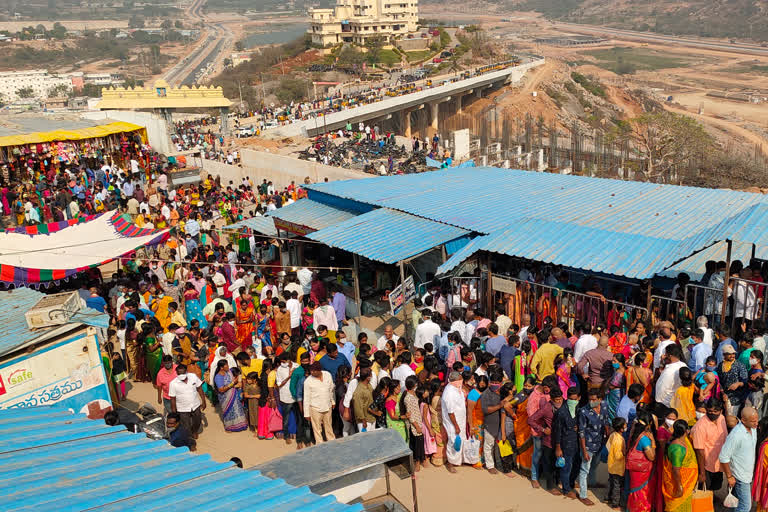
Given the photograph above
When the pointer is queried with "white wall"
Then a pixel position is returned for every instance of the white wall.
(281, 170)
(157, 129)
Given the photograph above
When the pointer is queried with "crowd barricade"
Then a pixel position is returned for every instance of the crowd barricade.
(746, 303)
(676, 311)
(705, 301)
(561, 305)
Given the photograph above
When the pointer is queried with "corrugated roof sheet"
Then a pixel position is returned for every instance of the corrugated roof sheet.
(695, 265)
(622, 254)
(311, 214)
(488, 199)
(56, 460)
(260, 224)
(15, 334)
(387, 235)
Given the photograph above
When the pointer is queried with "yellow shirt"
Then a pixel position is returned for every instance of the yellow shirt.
(543, 362)
(272, 379)
(682, 400)
(616, 458)
(298, 354)
(255, 367)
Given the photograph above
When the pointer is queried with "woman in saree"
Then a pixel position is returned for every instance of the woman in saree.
(521, 367)
(153, 351)
(641, 374)
(760, 481)
(207, 292)
(396, 419)
(681, 470)
(517, 408)
(475, 416)
(245, 315)
(231, 407)
(564, 371)
(641, 454)
(264, 330)
(308, 316)
(435, 414)
(616, 384)
(132, 347)
(192, 306)
(663, 435)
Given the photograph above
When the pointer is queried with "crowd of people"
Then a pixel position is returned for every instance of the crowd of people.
(667, 411)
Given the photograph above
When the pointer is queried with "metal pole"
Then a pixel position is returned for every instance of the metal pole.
(413, 487)
(753, 251)
(402, 293)
(358, 302)
(726, 283)
(489, 292)
(649, 300)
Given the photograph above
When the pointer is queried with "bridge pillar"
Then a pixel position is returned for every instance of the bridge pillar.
(433, 110)
(479, 93)
(224, 121)
(405, 118)
(458, 104)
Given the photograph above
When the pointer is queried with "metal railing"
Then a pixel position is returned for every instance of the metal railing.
(671, 310)
(561, 305)
(746, 302)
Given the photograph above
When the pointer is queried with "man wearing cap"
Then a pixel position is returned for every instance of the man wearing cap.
(733, 379)
(319, 400)
(454, 417)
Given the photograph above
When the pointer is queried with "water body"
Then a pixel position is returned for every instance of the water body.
(275, 34)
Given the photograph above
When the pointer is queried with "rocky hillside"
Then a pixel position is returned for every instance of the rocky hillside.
(708, 18)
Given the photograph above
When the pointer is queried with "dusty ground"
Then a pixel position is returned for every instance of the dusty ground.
(498, 493)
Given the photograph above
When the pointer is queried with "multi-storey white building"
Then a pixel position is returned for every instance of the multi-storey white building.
(38, 80)
(354, 21)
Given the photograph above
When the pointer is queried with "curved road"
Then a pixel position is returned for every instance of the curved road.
(711, 44)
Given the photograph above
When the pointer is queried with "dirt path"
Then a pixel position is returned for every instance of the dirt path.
(729, 127)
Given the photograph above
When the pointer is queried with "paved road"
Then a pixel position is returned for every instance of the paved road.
(712, 44)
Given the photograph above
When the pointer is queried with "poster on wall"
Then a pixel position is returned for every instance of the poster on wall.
(396, 299)
(66, 373)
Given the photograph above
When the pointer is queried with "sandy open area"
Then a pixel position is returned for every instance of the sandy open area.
(469, 487)
(15, 26)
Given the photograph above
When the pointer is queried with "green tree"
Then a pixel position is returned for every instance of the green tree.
(374, 46)
(239, 46)
(664, 142)
(25, 92)
(291, 89)
(58, 90)
(58, 31)
(166, 24)
(178, 24)
(136, 22)
(91, 91)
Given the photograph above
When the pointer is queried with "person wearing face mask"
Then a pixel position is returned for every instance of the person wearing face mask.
(709, 434)
(296, 387)
(700, 351)
(283, 379)
(755, 381)
(663, 436)
(187, 399)
(565, 439)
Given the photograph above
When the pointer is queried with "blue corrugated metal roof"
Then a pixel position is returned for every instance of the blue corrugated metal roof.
(387, 235)
(695, 265)
(312, 214)
(15, 333)
(623, 254)
(260, 224)
(487, 199)
(53, 459)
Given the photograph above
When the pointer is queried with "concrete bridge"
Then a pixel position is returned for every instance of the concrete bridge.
(407, 103)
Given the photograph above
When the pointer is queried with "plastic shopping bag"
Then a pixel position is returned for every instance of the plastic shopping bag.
(471, 450)
(730, 501)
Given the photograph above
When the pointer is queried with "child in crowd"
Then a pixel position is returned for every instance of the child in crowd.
(251, 395)
(683, 397)
(616, 461)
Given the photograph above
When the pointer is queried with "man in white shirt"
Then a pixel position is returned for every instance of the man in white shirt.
(703, 324)
(403, 370)
(167, 340)
(294, 308)
(502, 320)
(743, 298)
(282, 379)
(389, 335)
(525, 320)
(319, 401)
(426, 330)
(294, 286)
(238, 283)
(219, 280)
(584, 344)
(658, 354)
(187, 399)
(270, 286)
(669, 380)
(459, 325)
(305, 280)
